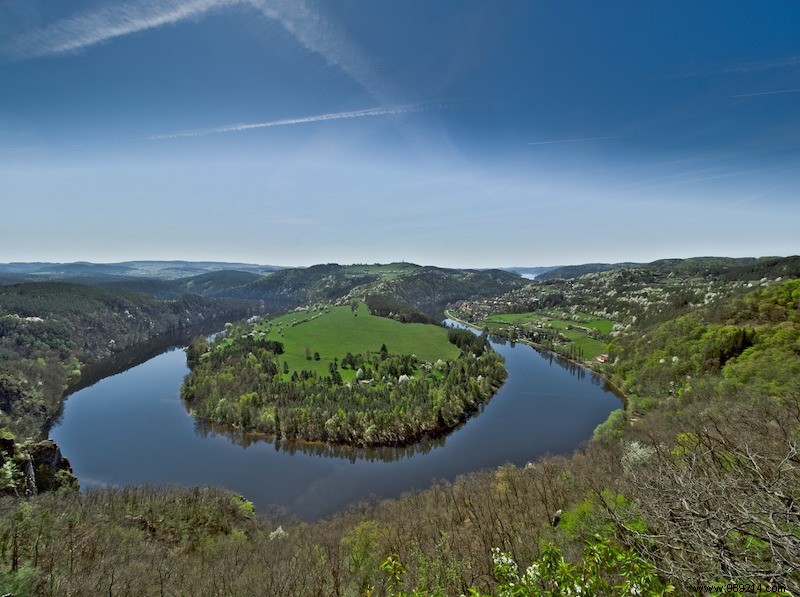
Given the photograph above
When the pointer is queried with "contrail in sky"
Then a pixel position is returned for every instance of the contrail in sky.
(768, 93)
(574, 140)
(307, 26)
(235, 128)
(105, 23)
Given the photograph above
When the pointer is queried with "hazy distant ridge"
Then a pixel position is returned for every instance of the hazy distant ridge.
(150, 269)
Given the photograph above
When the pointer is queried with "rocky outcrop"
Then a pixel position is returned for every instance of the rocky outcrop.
(51, 469)
(30, 468)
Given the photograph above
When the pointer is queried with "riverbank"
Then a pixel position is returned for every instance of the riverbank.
(355, 390)
(137, 418)
(583, 364)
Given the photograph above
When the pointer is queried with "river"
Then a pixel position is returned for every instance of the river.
(133, 428)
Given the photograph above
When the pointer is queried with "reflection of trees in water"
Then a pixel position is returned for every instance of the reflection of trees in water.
(500, 340)
(321, 449)
(385, 453)
(129, 358)
(140, 353)
(572, 367)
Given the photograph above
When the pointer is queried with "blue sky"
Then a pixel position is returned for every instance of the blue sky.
(458, 133)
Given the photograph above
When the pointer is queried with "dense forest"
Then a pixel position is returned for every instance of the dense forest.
(726, 268)
(405, 290)
(694, 484)
(49, 330)
(394, 399)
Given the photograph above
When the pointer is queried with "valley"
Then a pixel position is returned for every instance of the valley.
(706, 358)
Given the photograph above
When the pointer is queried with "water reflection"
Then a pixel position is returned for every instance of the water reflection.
(246, 439)
(573, 368)
(134, 428)
(129, 358)
(136, 355)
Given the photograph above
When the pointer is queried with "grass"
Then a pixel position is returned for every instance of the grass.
(591, 348)
(568, 325)
(336, 332)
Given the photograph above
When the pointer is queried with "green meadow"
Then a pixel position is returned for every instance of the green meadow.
(573, 327)
(335, 331)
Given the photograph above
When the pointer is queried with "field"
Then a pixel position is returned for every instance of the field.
(575, 328)
(339, 330)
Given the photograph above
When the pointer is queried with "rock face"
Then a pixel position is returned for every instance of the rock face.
(51, 469)
(31, 468)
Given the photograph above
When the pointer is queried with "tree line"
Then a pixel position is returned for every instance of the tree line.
(395, 399)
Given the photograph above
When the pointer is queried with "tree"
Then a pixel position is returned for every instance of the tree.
(308, 353)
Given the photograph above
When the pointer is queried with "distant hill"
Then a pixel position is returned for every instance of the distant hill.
(149, 269)
(404, 291)
(531, 272)
(728, 268)
(217, 283)
(430, 289)
(159, 279)
(576, 271)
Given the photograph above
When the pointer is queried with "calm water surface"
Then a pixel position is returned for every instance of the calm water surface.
(132, 428)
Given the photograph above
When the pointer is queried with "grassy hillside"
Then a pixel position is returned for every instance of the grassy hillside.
(582, 334)
(336, 331)
(341, 375)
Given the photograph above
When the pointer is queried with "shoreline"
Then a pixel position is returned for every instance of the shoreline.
(614, 387)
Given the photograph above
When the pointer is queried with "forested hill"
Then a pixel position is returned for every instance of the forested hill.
(725, 268)
(48, 329)
(695, 483)
(163, 270)
(217, 284)
(406, 291)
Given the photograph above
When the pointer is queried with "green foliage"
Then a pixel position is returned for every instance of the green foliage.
(396, 398)
(467, 342)
(21, 582)
(606, 569)
(613, 427)
(753, 343)
(9, 473)
(48, 329)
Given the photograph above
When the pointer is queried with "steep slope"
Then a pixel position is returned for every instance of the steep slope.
(48, 329)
